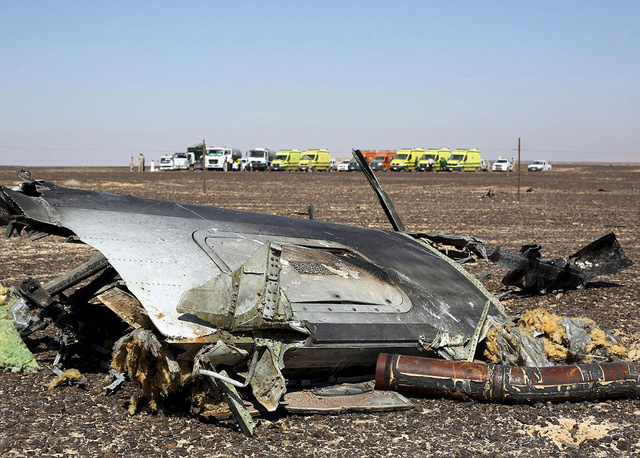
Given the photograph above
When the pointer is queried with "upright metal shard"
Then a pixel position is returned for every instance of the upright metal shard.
(383, 197)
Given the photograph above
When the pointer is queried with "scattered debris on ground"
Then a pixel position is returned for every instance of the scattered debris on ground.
(68, 377)
(526, 271)
(539, 338)
(532, 275)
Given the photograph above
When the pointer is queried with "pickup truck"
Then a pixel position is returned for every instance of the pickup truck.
(539, 166)
(183, 161)
(502, 165)
(166, 162)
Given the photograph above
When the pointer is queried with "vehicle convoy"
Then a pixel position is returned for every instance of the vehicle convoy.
(260, 158)
(539, 166)
(502, 165)
(382, 160)
(465, 160)
(286, 159)
(183, 161)
(406, 160)
(315, 160)
(166, 162)
(221, 158)
(430, 161)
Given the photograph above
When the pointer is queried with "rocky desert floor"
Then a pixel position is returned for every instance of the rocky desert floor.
(563, 210)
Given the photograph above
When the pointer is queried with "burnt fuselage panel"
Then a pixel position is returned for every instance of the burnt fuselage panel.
(358, 291)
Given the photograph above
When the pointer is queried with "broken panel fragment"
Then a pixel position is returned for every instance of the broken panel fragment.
(601, 257)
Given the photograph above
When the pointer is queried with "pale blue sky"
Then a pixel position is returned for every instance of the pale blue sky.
(92, 83)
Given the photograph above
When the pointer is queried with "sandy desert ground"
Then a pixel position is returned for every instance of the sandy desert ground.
(566, 209)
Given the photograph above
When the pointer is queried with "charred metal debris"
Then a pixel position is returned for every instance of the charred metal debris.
(243, 312)
(532, 275)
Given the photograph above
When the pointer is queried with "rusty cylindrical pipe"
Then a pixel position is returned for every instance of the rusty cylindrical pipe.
(497, 383)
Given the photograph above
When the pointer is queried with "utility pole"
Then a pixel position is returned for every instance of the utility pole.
(202, 158)
(518, 170)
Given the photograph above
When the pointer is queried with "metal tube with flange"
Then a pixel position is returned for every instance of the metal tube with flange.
(497, 383)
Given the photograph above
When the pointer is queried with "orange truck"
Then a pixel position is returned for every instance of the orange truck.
(369, 154)
(382, 160)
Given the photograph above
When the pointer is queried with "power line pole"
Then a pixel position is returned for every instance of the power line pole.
(518, 170)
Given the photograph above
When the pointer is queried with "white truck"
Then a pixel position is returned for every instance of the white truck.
(221, 158)
(166, 163)
(183, 161)
(539, 166)
(502, 165)
(260, 158)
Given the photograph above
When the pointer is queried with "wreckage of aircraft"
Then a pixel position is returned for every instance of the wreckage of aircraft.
(249, 303)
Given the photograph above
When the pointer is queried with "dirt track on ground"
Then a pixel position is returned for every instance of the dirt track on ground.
(566, 209)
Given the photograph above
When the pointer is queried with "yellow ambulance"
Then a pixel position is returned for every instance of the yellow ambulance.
(315, 160)
(406, 160)
(286, 159)
(466, 160)
(436, 156)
